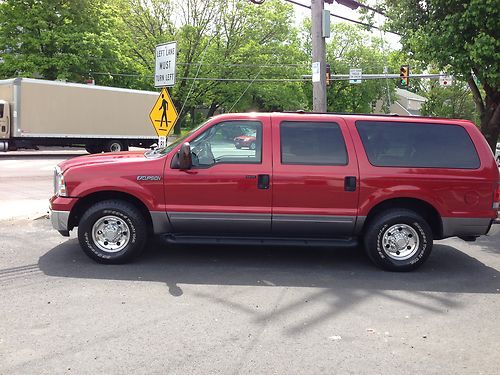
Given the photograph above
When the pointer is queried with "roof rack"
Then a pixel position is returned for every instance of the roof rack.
(346, 113)
(372, 114)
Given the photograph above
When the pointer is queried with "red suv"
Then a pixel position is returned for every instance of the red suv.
(394, 184)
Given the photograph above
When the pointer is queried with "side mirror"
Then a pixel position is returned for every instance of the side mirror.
(185, 157)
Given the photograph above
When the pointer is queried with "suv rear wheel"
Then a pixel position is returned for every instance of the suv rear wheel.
(398, 240)
(112, 231)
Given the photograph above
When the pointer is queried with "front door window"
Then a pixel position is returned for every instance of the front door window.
(231, 142)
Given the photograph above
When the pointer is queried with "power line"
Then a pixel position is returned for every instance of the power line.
(344, 18)
(304, 78)
(229, 65)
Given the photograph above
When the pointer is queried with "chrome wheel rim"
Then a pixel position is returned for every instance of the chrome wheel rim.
(111, 234)
(400, 242)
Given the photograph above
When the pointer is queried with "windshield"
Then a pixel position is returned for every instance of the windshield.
(158, 152)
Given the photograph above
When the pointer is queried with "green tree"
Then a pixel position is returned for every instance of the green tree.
(59, 39)
(461, 37)
(223, 45)
(452, 102)
(352, 47)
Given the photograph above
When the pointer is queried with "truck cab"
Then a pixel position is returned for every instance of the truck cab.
(4, 125)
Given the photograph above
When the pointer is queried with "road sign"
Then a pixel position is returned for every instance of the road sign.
(445, 80)
(162, 141)
(163, 115)
(165, 64)
(316, 71)
(355, 75)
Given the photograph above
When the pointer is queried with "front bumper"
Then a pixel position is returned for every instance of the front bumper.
(60, 209)
(60, 220)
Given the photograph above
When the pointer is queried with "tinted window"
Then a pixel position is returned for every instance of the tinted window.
(312, 143)
(390, 144)
(228, 142)
(1, 110)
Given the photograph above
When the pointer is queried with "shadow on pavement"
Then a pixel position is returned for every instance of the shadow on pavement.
(448, 270)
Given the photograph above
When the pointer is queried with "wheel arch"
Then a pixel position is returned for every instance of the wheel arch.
(84, 203)
(423, 208)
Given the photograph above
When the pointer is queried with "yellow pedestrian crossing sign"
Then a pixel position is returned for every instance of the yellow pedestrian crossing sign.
(163, 115)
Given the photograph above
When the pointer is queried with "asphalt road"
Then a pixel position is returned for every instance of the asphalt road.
(227, 310)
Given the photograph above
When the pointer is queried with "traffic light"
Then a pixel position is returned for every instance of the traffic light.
(328, 75)
(404, 75)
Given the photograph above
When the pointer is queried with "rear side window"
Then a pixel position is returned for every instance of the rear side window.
(1, 110)
(392, 144)
(312, 143)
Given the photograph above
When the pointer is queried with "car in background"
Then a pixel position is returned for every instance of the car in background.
(245, 141)
(247, 138)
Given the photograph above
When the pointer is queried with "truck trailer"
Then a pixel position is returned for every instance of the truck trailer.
(37, 112)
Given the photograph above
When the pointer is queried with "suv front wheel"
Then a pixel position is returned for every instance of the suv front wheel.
(398, 240)
(112, 231)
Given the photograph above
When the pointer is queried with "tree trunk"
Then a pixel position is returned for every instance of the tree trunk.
(212, 109)
(489, 110)
(490, 122)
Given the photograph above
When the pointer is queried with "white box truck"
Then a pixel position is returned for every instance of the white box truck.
(50, 113)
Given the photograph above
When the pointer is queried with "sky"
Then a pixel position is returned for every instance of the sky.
(392, 41)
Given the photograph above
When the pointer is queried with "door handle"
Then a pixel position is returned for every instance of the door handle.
(263, 181)
(350, 183)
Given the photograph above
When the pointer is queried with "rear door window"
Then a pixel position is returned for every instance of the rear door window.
(405, 144)
(312, 143)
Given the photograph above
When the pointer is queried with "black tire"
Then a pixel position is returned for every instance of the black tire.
(125, 215)
(398, 240)
(93, 149)
(237, 146)
(116, 146)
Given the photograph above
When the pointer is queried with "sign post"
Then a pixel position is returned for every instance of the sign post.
(163, 115)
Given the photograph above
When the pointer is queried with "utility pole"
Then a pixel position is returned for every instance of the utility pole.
(318, 55)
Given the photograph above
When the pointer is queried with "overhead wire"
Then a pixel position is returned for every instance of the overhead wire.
(343, 18)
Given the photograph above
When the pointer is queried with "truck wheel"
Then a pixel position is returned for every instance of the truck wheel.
(398, 240)
(116, 146)
(112, 232)
(93, 149)
(252, 146)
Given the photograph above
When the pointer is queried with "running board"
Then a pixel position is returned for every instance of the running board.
(272, 241)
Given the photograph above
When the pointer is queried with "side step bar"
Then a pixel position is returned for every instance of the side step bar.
(272, 241)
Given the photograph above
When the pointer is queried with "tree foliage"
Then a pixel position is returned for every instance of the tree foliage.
(352, 47)
(232, 55)
(461, 37)
(59, 39)
(452, 102)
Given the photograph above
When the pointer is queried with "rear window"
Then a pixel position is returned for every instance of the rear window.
(406, 144)
(312, 143)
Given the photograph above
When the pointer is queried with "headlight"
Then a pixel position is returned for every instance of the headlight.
(59, 184)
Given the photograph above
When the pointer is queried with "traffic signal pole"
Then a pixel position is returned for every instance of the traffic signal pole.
(318, 55)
